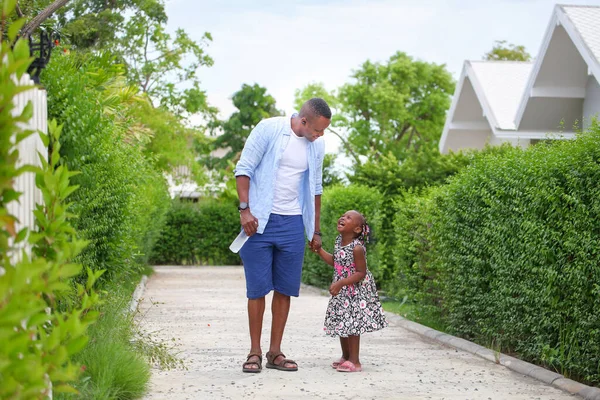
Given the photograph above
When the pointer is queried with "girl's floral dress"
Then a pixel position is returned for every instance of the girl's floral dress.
(356, 309)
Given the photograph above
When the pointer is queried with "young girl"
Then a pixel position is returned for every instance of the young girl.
(354, 307)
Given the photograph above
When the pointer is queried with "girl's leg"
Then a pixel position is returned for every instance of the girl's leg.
(344, 344)
(353, 350)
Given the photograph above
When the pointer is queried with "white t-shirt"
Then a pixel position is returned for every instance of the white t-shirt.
(293, 164)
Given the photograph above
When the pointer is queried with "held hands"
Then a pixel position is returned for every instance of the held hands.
(316, 243)
(249, 222)
(335, 288)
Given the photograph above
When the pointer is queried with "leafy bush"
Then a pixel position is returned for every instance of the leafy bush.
(336, 201)
(516, 239)
(123, 197)
(422, 168)
(113, 367)
(419, 170)
(414, 275)
(198, 233)
(36, 339)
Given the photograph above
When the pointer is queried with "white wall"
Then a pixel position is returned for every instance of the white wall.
(522, 143)
(28, 155)
(471, 139)
(591, 104)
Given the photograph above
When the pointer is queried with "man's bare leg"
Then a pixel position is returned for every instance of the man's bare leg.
(280, 307)
(256, 311)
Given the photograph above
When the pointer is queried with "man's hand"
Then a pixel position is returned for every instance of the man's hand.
(335, 288)
(249, 222)
(316, 243)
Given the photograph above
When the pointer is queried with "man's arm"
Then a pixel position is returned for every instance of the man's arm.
(317, 240)
(318, 213)
(252, 154)
(249, 222)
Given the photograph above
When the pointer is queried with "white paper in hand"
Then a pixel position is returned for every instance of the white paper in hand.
(238, 242)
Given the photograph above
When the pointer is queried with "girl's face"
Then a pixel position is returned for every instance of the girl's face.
(351, 221)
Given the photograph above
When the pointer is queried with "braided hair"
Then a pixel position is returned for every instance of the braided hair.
(365, 233)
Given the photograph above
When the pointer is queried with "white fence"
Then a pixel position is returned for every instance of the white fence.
(28, 155)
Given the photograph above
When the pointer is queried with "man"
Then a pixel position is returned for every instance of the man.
(279, 184)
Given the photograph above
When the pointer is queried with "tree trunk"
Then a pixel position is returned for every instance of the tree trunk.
(32, 25)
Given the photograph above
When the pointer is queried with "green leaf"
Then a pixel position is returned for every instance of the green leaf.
(64, 388)
(76, 345)
(69, 270)
(21, 49)
(21, 235)
(8, 6)
(23, 135)
(11, 195)
(14, 28)
(28, 168)
(27, 114)
(45, 138)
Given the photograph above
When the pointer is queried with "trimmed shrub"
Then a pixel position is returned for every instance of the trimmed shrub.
(517, 240)
(414, 276)
(122, 197)
(198, 233)
(335, 202)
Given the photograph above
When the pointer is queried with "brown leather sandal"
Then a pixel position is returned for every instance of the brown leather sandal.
(271, 357)
(249, 363)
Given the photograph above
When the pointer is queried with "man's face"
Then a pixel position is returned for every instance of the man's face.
(313, 128)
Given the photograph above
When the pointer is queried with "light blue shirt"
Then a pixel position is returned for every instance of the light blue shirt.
(260, 161)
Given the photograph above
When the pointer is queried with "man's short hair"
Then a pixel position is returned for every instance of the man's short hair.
(317, 107)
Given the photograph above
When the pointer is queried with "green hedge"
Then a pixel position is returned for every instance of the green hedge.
(122, 197)
(510, 250)
(198, 233)
(414, 275)
(335, 202)
(519, 237)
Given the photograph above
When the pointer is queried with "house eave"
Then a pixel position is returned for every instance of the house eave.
(559, 18)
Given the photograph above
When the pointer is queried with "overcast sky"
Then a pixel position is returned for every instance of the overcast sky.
(284, 45)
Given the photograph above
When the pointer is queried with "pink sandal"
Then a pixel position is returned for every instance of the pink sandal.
(348, 366)
(336, 364)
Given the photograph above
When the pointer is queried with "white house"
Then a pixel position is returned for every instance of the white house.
(523, 102)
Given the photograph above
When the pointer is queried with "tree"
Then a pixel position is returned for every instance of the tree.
(422, 168)
(317, 89)
(94, 24)
(33, 14)
(330, 174)
(36, 21)
(395, 107)
(253, 104)
(507, 52)
(164, 66)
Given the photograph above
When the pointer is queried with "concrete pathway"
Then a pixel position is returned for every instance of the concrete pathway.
(205, 308)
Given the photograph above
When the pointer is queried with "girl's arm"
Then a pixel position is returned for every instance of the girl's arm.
(328, 258)
(360, 266)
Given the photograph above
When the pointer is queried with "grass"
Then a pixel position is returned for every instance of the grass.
(414, 312)
(116, 361)
(112, 366)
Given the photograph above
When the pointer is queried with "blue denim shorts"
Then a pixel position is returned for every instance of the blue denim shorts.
(273, 260)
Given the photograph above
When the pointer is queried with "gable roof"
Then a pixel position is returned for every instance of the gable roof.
(586, 20)
(498, 86)
(503, 100)
(582, 25)
(501, 84)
